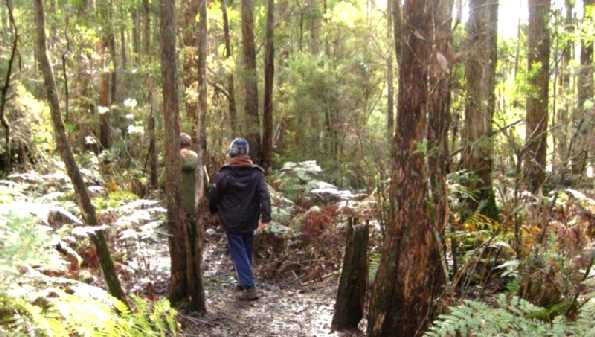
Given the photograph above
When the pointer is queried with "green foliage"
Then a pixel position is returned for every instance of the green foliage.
(23, 241)
(114, 199)
(73, 315)
(509, 317)
(33, 304)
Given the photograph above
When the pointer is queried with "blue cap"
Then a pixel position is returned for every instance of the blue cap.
(238, 147)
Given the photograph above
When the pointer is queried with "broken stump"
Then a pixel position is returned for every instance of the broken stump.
(349, 307)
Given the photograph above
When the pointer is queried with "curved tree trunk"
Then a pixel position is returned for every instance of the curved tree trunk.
(82, 195)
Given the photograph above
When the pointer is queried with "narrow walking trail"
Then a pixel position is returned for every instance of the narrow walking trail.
(291, 310)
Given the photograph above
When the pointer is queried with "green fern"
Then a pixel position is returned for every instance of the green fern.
(73, 315)
(510, 317)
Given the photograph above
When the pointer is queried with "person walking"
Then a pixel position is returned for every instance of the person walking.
(241, 198)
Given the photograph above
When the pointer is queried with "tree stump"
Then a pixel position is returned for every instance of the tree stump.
(351, 294)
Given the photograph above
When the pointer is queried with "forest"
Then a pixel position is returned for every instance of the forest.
(429, 164)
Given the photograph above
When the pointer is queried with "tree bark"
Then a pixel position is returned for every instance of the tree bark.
(562, 119)
(269, 70)
(178, 285)
(104, 107)
(147, 27)
(583, 119)
(233, 116)
(201, 136)
(195, 235)
(153, 151)
(82, 195)
(146, 50)
(108, 77)
(123, 53)
(250, 81)
(480, 68)
(537, 100)
(136, 34)
(439, 111)
(190, 73)
(397, 23)
(351, 294)
(409, 273)
(6, 86)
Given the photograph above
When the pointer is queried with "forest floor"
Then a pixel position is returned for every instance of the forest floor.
(292, 310)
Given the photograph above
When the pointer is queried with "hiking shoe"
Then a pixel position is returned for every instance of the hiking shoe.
(249, 294)
(239, 288)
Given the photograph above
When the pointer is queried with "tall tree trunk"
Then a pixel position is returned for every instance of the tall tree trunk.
(147, 27)
(6, 86)
(108, 77)
(201, 119)
(409, 272)
(565, 90)
(583, 118)
(115, 64)
(397, 17)
(537, 100)
(84, 103)
(480, 68)
(123, 52)
(190, 73)
(146, 50)
(250, 81)
(196, 229)
(104, 107)
(171, 129)
(153, 152)
(390, 102)
(233, 115)
(315, 24)
(269, 71)
(439, 111)
(82, 195)
(135, 34)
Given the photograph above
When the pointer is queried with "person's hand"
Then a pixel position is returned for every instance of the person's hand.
(262, 227)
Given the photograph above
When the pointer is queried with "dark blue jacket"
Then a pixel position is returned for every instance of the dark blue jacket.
(240, 196)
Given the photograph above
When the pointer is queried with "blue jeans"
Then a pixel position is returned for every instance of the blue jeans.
(240, 249)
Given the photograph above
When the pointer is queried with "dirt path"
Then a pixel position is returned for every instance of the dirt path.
(295, 311)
